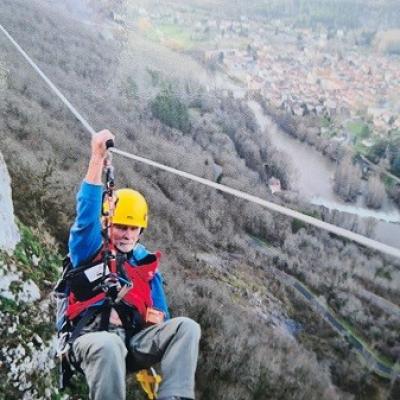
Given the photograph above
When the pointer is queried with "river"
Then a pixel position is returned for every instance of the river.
(313, 181)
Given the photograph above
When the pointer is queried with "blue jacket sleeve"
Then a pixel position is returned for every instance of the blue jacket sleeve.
(85, 236)
(158, 294)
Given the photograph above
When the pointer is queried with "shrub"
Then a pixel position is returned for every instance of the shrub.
(376, 192)
(171, 111)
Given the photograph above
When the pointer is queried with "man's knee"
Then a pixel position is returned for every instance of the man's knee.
(188, 326)
(111, 346)
(101, 346)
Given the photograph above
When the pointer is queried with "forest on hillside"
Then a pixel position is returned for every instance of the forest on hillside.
(331, 14)
(232, 286)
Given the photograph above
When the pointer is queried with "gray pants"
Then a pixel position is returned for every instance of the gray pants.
(173, 343)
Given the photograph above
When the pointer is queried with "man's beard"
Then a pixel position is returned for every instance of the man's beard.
(125, 248)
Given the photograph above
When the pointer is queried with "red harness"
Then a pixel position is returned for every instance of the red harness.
(139, 296)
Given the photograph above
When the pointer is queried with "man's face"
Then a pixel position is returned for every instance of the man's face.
(125, 237)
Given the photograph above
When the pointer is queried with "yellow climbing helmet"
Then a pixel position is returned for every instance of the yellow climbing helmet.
(130, 208)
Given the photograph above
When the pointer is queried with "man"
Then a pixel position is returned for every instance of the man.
(109, 337)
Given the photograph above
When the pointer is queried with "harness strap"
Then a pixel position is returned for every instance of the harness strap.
(91, 312)
(131, 326)
(105, 316)
(68, 364)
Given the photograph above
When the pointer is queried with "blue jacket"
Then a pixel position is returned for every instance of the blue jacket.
(85, 239)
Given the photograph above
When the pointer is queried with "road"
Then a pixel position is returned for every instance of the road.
(373, 361)
(379, 169)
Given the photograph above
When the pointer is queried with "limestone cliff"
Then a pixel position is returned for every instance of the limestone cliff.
(9, 235)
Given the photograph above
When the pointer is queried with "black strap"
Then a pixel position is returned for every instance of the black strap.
(105, 317)
(65, 374)
(68, 363)
(129, 322)
(121, 259)
(90, 313)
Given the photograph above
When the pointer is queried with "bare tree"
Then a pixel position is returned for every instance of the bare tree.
(376, 192)
(347, 180)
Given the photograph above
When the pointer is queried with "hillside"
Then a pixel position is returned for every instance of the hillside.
(332, 14)
(224, 260)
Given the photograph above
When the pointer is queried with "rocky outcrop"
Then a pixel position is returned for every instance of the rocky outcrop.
(9, 235)
(27, 324)
(28, 343)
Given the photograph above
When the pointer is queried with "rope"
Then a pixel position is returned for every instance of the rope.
(271, 206)
(373, 244)
(50, 83)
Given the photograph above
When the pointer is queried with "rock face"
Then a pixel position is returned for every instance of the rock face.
(28, 291)
(9, 235)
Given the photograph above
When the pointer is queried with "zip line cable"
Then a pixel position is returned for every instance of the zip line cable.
(272, 206)
(50, 83)
(363, 240)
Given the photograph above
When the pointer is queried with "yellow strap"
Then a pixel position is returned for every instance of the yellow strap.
(149, 382)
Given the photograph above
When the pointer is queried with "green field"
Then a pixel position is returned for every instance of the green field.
(359, 130)
(178, 36)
